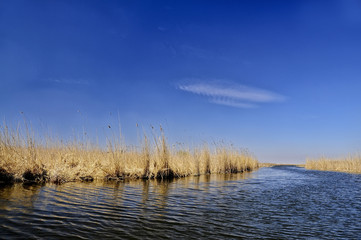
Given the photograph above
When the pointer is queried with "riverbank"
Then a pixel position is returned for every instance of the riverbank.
(351, 164)
(23, 159)
(261, 164)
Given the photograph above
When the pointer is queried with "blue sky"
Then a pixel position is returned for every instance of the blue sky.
(281, 78)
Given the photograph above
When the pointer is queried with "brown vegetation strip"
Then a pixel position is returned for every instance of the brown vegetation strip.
(350, 164)
(23, 159)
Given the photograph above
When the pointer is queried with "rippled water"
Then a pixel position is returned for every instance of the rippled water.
(283, 202)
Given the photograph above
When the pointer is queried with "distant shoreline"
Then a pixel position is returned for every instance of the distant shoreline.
(279, 164)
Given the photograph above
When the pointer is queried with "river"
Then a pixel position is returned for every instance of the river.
(281, 202)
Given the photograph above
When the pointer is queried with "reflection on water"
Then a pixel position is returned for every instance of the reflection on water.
(22, 194)
(281, 202)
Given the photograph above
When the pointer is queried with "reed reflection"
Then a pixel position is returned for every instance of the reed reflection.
(162, 193)
(145, 191)
(118, 191)
(19, 196)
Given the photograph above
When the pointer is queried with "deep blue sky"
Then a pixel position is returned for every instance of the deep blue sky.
(281, 78)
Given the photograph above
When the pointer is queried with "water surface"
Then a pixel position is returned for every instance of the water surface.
(282, 202)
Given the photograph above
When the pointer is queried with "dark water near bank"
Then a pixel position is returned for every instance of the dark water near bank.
(283, 202)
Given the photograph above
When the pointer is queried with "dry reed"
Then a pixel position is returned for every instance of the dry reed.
(351, 164)
(22, 158)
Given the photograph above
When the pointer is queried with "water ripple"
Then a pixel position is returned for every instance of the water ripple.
(272, 203)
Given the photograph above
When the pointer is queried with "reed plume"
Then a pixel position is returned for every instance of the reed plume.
(26, 158)
(351, 164)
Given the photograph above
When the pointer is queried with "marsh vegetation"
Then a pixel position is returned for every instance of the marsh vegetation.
(24, 157)
(351, 164)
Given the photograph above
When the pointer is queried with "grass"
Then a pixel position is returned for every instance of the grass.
(351, 164)
(22, 158)
(279, 164)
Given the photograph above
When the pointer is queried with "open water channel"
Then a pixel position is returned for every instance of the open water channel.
(281, 202)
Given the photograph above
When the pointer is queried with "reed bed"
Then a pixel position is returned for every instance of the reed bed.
(23, 159)
(351, 164)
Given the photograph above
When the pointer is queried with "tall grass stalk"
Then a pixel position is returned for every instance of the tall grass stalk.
(350, 164)
(24, 157)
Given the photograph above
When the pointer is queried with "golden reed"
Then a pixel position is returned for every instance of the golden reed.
(22, 158)
(351, 164)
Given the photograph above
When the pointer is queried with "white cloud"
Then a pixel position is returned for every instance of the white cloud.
(232, 103)
(231, 94)
(70, 81)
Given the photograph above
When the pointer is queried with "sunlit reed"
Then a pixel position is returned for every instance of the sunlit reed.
(26, 158)
(350, 164)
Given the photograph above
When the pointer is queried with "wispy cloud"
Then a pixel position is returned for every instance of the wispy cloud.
(69, 81)
(232, 94)
(232, 103)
